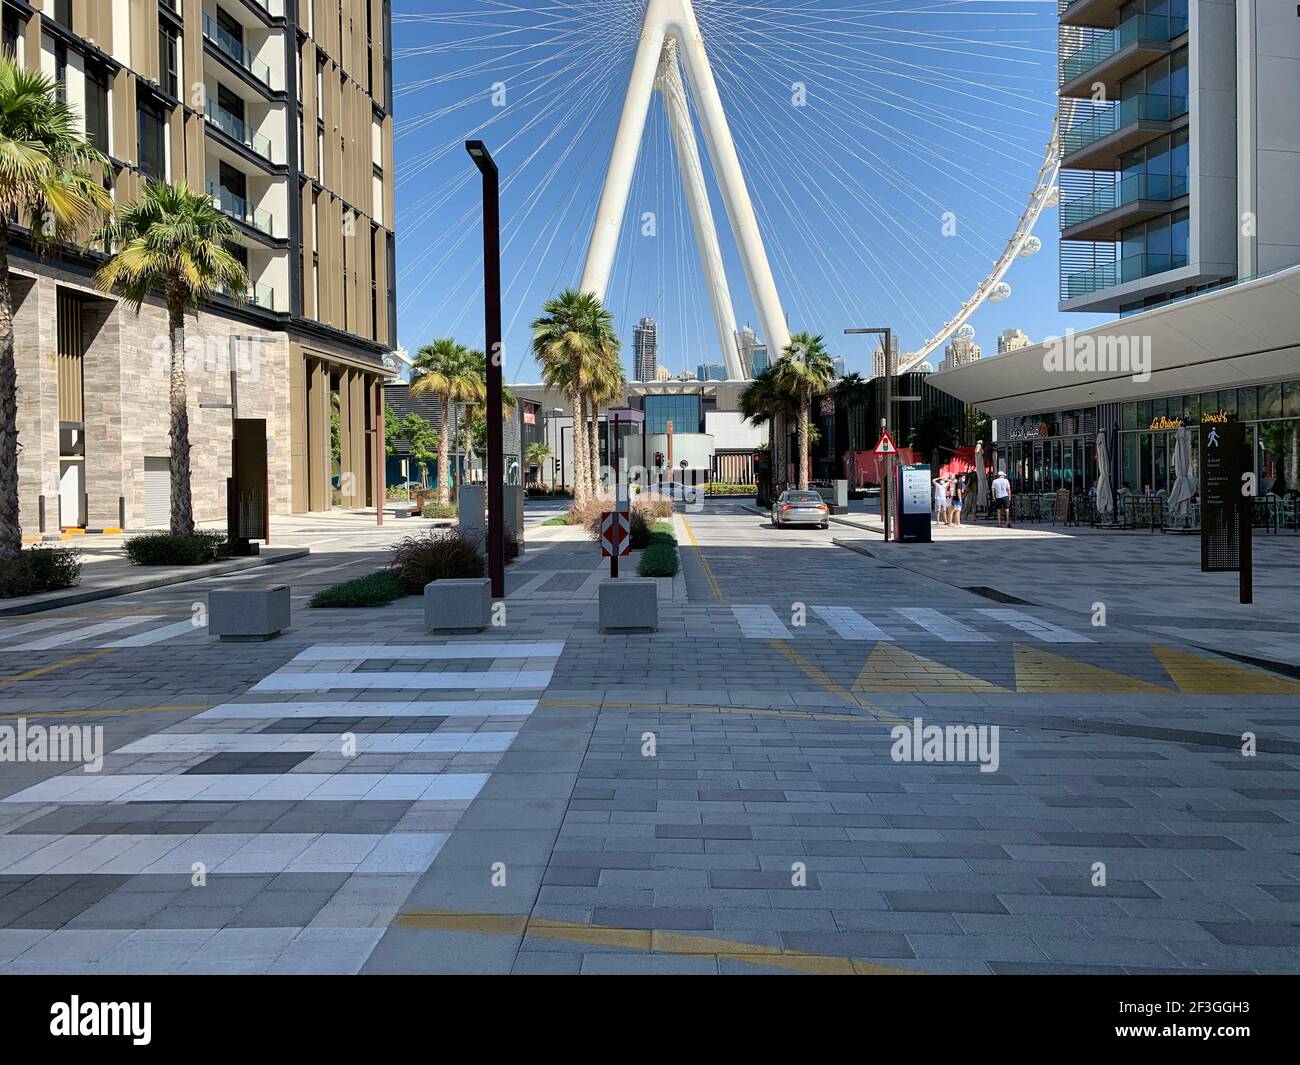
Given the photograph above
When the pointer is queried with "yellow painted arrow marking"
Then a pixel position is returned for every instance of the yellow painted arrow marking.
(1039, 671)
(1196, 675)
(892, 669)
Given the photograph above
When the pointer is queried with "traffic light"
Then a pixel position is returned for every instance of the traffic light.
(659, 458)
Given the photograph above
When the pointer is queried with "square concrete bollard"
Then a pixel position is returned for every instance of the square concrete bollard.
(630, 604)
(248, 613)
(458, 606)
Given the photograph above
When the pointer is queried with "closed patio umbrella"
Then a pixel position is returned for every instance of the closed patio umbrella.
(1105, 491)
(1184, 482)
(982, 493)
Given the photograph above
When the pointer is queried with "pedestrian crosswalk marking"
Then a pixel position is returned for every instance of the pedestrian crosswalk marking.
(158, 635)
(761, 623)
(849, 624)
(324, 652)
(318, 742)
(1041, 672)
(368, 709)
(240, 787)
(504, 678)
(135, 854)
(78, 634)
(1043, 630)
(893, 669)
(947, 629)
(1197, 675)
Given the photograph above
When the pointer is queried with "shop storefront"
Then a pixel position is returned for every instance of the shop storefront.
(1048, 452)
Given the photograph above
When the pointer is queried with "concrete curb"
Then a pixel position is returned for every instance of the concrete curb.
(73, 597)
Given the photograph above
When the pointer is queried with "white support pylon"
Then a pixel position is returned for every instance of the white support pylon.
(674, 21)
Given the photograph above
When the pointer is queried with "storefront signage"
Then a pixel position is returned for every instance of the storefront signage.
(1026, 432)
(1166, 423)
(1221, 418)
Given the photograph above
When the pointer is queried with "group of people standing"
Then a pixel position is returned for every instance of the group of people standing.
(952, 492)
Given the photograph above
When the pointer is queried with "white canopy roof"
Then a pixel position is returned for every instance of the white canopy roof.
(1247, 334)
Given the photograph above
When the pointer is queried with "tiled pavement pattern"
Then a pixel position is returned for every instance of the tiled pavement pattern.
(583, 851)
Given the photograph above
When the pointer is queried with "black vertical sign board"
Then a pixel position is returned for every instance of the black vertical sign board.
(1223, 446)
(249, 487)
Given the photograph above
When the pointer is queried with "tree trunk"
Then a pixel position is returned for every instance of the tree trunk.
(579, 449)
(804, 414)
(595, 446)
(11, 534)
(444, 452)
(182, 504)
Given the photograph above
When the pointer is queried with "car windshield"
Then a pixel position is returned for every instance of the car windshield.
(802, 497)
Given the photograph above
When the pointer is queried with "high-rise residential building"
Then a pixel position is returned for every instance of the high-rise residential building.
(281, 111)
(761, 360)
(1012, 340)
(840, 366)
(747, 343)
(711, 371)
(1178, 147)
(645, 350)
(662, 373)
(961, 351)
(878, 357)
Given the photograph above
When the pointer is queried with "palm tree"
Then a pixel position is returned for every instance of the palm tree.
(803, 371)
(762, 402)
(850, 391)
(568, 341)
(447, 370)
(608, 385)
(50, 173)
(536, 455)
(176, 241)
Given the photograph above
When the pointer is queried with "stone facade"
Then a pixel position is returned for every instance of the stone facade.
(125, 373)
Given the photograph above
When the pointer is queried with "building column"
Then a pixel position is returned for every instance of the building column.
(318, 435)
(38, 404)
(299, 470)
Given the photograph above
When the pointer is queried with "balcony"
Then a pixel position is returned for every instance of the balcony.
(233, 48)
(240, 209)
(262, 296)
(1102, 214)
(1120, 272)
(1089, 12)
(238, 129)
(1097, 142)
(1133, 44)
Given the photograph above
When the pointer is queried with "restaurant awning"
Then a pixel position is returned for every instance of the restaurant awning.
(1246, 334)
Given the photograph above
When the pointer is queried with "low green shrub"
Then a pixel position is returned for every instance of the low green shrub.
(441, 510)
(658, 560)
(164, 549)
(662, 533)
(721, 488)
(40, 569)
(441, 554)
(559, 519)
(373, 590)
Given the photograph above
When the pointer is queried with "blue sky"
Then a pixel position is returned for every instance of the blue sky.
(914, 117)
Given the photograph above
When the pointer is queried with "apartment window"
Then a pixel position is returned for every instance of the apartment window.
(63, 12)
(374, 285)
(168, 71)
(97, 106)
(233, 28)
(13, 29)
(153, 143)
(230, 102)
(320, 153)
(1160, 168)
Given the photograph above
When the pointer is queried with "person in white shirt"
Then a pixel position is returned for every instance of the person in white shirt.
(1002, 497)
(941, 500)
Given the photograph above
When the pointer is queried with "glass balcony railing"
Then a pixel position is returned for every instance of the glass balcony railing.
(1143, 107)
(258, 295)
(1120, 272)
(234, 48)
(238, 129)
(1137, 28)
(238, 207)
(1129, 190)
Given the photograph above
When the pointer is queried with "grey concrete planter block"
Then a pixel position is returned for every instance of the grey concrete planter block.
(630, 604)
(458, 606)
(248, 613)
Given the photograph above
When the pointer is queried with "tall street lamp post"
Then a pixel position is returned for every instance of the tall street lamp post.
(496, 466)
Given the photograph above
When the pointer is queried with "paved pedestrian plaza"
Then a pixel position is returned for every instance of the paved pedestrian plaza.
(826, 760)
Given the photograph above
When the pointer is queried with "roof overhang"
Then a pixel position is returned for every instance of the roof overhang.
(1246, 334)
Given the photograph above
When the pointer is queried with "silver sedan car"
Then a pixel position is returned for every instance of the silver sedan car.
(800, 508)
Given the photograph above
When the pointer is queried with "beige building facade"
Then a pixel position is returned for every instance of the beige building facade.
(281, 111)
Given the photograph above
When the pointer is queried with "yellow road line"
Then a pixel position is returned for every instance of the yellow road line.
(107, 713)
(17, 677)
(831, 685)
(704, 562)
(643, 939)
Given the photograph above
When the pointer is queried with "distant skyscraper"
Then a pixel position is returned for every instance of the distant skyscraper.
(662, 373)
(878, 359)
(645, 346)
(961, 352)
(840, 367)
(711, 371)
(1012, 340)
(762, 361)
(747, 342)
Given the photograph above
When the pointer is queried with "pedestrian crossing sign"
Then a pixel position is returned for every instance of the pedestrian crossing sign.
(886, 445)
